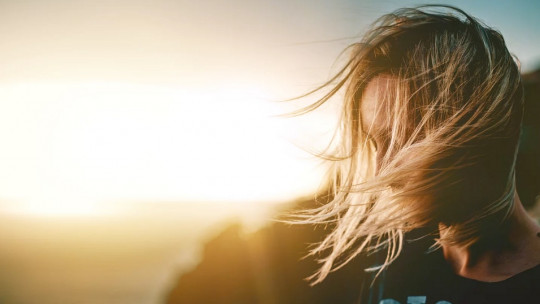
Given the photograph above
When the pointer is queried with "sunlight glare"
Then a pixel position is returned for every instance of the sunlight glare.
(96, 142)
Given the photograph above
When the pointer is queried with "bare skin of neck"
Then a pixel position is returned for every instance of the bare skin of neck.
(517, 250)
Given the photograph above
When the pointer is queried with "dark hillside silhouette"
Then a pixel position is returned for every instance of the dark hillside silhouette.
(265, 267)
(528, 161)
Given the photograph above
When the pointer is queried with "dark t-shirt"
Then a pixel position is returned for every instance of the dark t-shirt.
(417, 277)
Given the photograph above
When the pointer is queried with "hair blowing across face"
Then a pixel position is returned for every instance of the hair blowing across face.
(445, 150)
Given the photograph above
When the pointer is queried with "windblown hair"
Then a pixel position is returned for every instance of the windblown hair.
(446, 156)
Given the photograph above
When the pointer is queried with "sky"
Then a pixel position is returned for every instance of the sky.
(144, 123)
(165, 100)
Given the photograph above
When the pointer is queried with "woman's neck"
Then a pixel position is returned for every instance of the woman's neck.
(517, 249)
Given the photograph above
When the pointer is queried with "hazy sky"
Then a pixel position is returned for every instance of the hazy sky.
(171, 100)
(188, 42)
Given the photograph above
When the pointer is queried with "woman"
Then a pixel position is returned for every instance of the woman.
(427, 149)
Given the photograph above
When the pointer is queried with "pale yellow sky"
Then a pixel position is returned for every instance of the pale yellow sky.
(147, 101)
(183, 42)
(67, 146)
(170, 100)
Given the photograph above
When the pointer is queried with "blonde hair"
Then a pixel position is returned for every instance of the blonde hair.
(453, 109)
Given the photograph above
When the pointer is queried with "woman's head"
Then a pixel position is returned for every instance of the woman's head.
(429, 133)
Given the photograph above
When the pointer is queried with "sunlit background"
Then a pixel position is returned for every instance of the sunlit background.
(133, 130)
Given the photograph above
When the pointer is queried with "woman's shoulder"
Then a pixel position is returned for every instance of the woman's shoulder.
(420, 275)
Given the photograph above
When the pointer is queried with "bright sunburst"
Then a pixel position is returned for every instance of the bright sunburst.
(68, 146)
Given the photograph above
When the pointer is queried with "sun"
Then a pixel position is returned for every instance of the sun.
(71, 146)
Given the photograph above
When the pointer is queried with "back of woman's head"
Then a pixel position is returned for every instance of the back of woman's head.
(428, 137)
